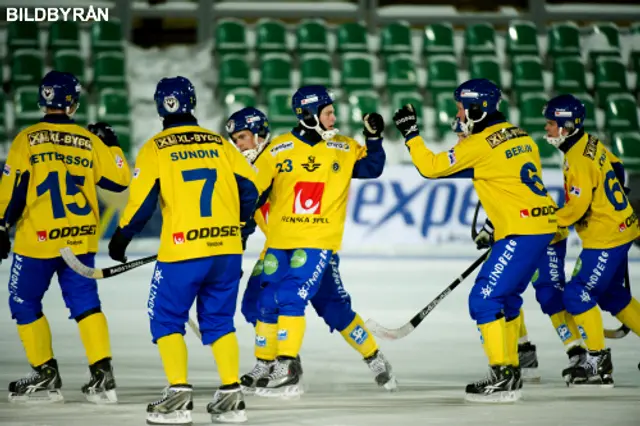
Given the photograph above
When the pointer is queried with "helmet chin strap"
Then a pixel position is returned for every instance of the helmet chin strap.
(252, 154)
(326, 135)
(466, 127)
(559, 140)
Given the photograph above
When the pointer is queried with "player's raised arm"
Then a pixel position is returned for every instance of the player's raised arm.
(371, 158)
(111, 169)
(14, 184)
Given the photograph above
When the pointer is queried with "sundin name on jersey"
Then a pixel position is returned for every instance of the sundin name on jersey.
(59, 138)
(197, 153)
(187, 139)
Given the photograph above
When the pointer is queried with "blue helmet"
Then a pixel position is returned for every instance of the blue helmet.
(568, 112)
(479, 97)
(307, 103)
(175, 95)
(248, 118)
(59, 90)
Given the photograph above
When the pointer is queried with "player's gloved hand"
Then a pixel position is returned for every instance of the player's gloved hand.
(118, 246)
(373, 125)
(5, 243)
(484, 239)
(105, 132)
(406, 121)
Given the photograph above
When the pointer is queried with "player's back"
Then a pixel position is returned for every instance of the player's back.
(53, 169)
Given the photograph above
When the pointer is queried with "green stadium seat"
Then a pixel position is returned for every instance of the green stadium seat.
(230, 36)
(352, 38)
(27, 68)
(446, 110)
(590, 125)
(311, 36)
(438, 40)
(479, 39)
(25, 107)
(271, 36)
(279, 111)
(482, 66)
(395, 38)
(522, 39)
(237, 98)
(400, 99)
(233, 72)
(505, 108)
(604, 41)
(357, 71)
(109, 71)
(610, 78)
(442, 75)
(626, 146)
(531, 117)
(113, 107)
(275, 71)
(69, 61)
(315, 68)
(401, 73)
(81, 115)
(550, 156)
(359, 103)
(106, 36)
(526, 72)
(563, 39)
(22, 35)
(621, 113)
(63, 35)
(634, 28)
(569, 75)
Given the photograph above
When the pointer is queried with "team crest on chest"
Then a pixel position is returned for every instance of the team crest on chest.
(311, 165)
(335, 166)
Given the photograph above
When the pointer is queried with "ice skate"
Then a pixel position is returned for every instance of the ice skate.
(101, 388)
(284, 381)
(595, 370)
(500, 386)
(577, 355)
(42, 385)
(261, 370)
(528, 360)
(228, 405)
(174, 408)
(378, 364)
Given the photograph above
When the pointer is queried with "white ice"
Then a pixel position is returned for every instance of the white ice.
(433, 364)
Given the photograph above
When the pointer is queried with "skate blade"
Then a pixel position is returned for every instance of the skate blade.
(291, 392)
(178, 417)
(106, 397)
(236, 416)
(40, 397)
(391, 385)
(530, 375)
(247, 391)
(588, 385)
(495, 398)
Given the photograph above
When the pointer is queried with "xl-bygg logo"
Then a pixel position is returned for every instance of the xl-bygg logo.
(308, 197)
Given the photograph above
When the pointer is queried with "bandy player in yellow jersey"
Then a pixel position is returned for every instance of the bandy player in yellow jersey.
(504, 163)
(48, 192)
(607, 225)
(206, 190)
(306, 175)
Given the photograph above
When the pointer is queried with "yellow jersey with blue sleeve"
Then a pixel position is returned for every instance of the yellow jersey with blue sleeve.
(307, 186)
(205, 188)
(48, 187)
(596, 202)
(504, 163)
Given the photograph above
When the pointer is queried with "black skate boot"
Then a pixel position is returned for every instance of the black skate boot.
(173, 408)
(528, 359)
(228, 405)
(382, 369)
(284, 381)
(40, 386)
(498, 387)
(595, 370)
(577, 355)
(101, 388)
(249, 381)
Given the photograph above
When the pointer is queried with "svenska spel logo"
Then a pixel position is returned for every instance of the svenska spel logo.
(51, 14)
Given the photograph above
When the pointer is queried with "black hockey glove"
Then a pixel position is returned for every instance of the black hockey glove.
(5, 243)
(373, 125)
(118, 246)
(406, 121)
(104, 132)
(484, 239)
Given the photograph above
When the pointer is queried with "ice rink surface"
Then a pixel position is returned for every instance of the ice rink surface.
(433, 364)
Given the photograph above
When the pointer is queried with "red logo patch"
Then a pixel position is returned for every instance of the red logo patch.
(42, 236)
(524, 213)
(264, 210)
(308, 197)
(178, 238)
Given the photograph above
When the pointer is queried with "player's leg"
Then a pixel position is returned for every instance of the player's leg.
(174, 286)
(249, 306)
(619, 302)
(596, 271)
(217, 300)
(303, 270)
(81, 297)
(333, 305)
(28, 281)
(494, 299)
